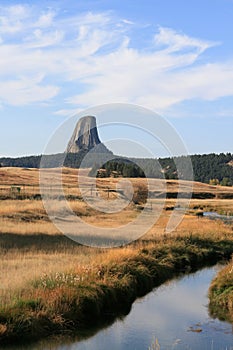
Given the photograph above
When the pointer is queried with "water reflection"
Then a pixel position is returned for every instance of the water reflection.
(176, 314)
(228, 219)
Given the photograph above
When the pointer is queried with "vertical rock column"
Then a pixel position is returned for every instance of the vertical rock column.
(85, 135)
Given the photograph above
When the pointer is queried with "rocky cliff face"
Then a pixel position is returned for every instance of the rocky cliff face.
(85, 135)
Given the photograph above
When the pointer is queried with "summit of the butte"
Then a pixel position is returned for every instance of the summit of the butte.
(85, 136)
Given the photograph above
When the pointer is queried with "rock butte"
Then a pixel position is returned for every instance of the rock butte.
(85, 135)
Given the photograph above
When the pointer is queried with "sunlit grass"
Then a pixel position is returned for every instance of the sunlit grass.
(221, 293)
(46, 275)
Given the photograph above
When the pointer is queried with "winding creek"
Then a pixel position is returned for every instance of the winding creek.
(215, 216)
(176, 314)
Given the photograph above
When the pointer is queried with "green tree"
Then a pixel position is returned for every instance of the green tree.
(226, 182)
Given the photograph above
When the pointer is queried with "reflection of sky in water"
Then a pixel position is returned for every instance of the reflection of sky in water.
(166, 314)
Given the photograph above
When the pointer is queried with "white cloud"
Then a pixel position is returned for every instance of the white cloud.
(126, 21)
(68, 112)
(25, 91)
(40, 39)
(41, 53)
(12, 18)
(45, 20)
(178, 41)
(16, 11)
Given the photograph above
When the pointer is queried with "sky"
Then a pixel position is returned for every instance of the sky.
(58, 58)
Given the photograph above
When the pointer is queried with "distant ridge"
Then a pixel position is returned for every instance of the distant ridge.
(208, 168)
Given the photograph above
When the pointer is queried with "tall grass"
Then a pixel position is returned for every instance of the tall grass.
(86, 294)
(50, 284)
(221, 294)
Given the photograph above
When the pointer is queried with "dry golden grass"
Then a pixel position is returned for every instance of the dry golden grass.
(30, 245)
(16, 206)
(28, 179)
(27, 228)
(221, 294)
(19, 268)
(21, 263)
(224, 206)
(32, 249)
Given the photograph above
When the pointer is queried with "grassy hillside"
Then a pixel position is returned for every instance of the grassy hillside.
(208, 167)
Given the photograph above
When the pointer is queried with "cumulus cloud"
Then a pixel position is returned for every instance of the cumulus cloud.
(41, 53)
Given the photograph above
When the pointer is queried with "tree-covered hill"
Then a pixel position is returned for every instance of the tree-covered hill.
(209, 168)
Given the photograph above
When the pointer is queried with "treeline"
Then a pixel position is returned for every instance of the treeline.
(72, 160)
(45, 161)
(209, 168)
(21, 162)
(117, 167)
(213, 166)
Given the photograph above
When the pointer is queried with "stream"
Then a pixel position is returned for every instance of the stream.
(215, 216)
(173, 316)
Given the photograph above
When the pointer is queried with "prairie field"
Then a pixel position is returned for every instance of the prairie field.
(31, 245)
(36, 258)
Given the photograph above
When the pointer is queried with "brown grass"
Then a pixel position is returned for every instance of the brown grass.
(221, 294)
(25, 255)
(28, 179)
(31, 246)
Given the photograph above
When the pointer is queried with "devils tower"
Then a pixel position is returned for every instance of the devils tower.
(85, 135)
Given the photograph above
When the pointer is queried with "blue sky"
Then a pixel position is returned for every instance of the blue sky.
(174, 57)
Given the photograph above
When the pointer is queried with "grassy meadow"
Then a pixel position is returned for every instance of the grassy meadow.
(50, 283)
